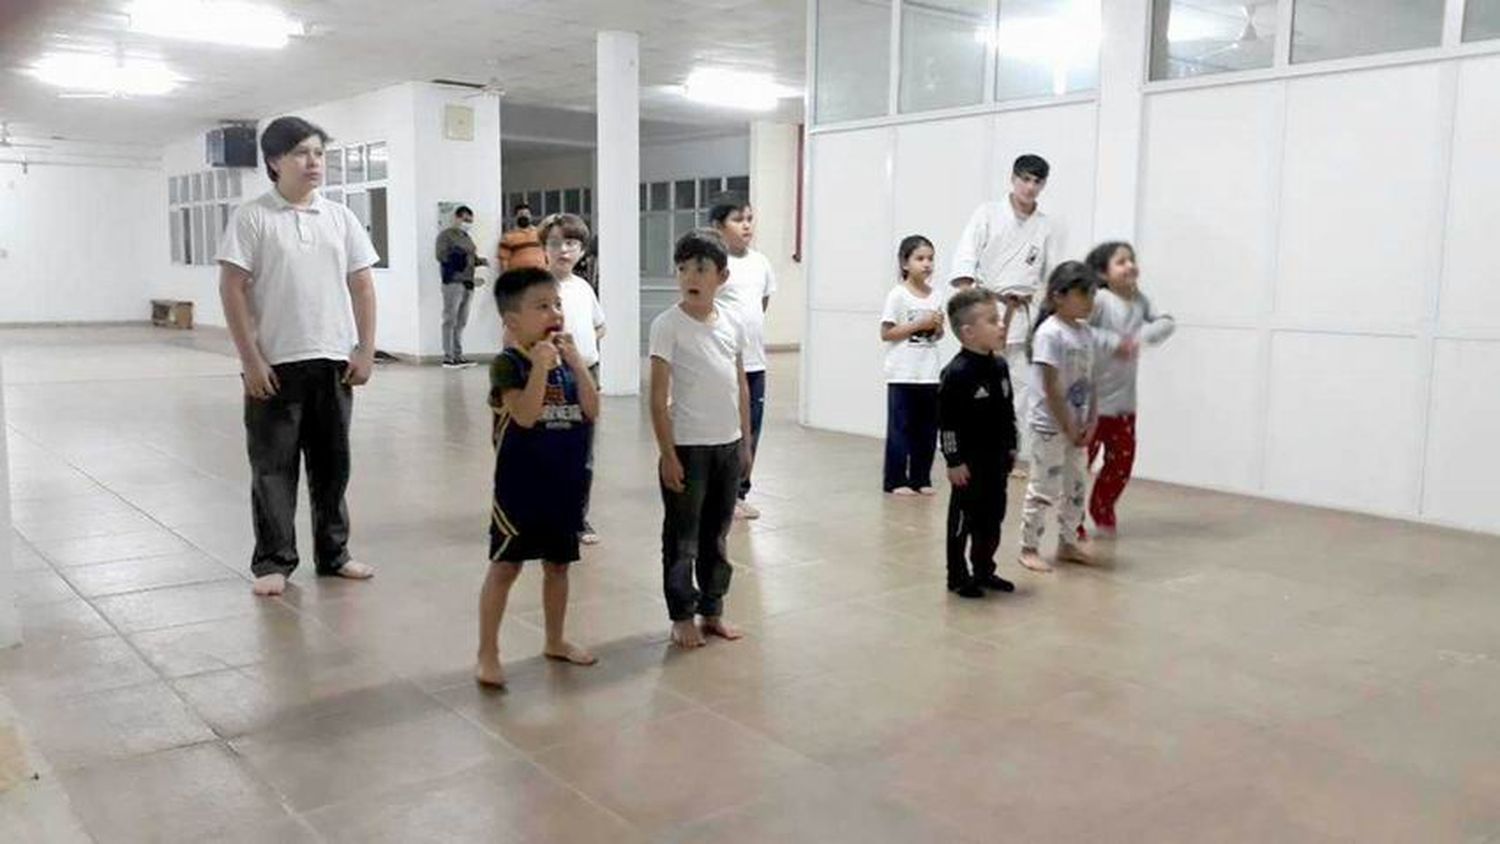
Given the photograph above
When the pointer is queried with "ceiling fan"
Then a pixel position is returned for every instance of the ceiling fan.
(7, 143)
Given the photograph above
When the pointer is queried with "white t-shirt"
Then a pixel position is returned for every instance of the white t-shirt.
(1007, 254)
(582, 314)
(915, 360)
(299, 261)
(1069, 348)
(751, 281)
(705, 361)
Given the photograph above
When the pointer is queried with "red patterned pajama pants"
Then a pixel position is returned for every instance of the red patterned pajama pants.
(1116, 438)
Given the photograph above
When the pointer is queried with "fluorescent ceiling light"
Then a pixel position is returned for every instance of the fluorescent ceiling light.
(734, 89)
(228, 22)
(98, 73)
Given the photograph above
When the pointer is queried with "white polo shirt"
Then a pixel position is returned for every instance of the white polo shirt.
(299, 261)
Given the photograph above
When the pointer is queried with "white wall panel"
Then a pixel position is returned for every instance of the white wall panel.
(1207, 228)
(1362, 194)
(1344, 419)
(845, 386)
(1470, 297)
(1462, 468)
(1065, 136)
(1198, 417)
(850, 219)
(942, 173)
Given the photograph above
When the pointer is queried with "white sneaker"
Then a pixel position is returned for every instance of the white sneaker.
(745, 510)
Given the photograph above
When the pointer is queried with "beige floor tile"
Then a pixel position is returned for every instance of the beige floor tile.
(233, 642)
(69, 620)
(87, 729)
(178, 605)
(152, 542)
(123, 576)
(293, 687)
(62, 668)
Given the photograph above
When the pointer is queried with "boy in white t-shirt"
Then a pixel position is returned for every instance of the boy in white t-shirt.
(911, 325)
(700, 412)
(564, 238)
(748, 294)
(299, 300)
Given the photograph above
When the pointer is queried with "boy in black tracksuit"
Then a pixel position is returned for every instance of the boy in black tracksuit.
(977, 427)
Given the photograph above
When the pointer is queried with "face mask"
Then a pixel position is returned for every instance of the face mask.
(465, 225)
(523, 222)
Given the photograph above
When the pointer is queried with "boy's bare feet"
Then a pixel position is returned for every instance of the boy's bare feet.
(903, 491)
(927, 490)
(487, 672)
(685, 634)
(745, 510)
(717, 626)
(569, 653)
(1030, 559)
(355, 571)
(268, 585)
(1070, 553)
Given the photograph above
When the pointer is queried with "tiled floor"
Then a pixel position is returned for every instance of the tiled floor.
(1237, 671)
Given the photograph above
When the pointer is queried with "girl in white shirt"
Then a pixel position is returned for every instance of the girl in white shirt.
(911, 325)
(1123, 320)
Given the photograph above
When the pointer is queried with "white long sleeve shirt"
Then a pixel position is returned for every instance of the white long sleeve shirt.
(1114, 319)
(1007, 254)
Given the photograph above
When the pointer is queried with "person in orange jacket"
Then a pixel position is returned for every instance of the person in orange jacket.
(521, 246)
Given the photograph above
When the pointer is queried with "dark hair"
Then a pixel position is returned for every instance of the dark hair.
(1100, 256)
(282, 135)
(1069, 276)
(701, 245)
(517, 209)
(910, 244)
(572, 227)
(462, 210)
(1031, 165)
(723, 204)
(962, 304)
(513, 284)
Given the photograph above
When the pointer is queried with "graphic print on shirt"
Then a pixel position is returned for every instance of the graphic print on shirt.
(558, 414)
(927, 337)
(1078, 391)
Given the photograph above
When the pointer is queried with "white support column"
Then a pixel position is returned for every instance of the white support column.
(773, 193)
(10, 620)
(1123, 61)
(617, 209)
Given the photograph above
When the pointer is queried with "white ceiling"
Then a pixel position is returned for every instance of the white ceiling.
(542, 51)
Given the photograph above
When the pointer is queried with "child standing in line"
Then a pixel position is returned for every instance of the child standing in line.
(1123, 320)
(911, 325)
(544, 403)
(978, 421)
(1061, 414)
(564, 239)
(700, 411)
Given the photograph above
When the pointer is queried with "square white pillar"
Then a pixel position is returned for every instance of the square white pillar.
(617, 214)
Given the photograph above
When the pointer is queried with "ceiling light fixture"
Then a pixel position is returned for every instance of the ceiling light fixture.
(229, 22)
(734, 89)
(103, 74)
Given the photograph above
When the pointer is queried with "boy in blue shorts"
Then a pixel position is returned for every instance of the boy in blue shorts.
(545, 406)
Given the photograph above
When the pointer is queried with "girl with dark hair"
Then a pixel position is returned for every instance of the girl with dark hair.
(911, 325)
(1123, 320)
(1061, 414)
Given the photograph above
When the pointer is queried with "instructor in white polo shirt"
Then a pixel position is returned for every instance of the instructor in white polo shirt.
(1009, 247)
(299, 298)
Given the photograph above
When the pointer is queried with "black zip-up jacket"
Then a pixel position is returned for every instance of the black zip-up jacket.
(976, 414)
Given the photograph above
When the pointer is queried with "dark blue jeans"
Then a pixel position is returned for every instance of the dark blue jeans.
(757, 382)
(911, 424)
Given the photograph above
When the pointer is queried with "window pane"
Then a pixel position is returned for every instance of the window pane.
(573, 201)
(197, 187)
(682, 223)
(376, 155)
(378, 226)
(740, 185)
(333, 166)
(1197, 37)
(172, 190)
(685, 195)
(660, 201)
(223, 184)
(853, 61)
(588, 201)
(199, 257)
(234, 184)
(554, 202)
(707, 189)
(643, 196)
(1331, 29)
(209, 179)
(175, 225)
(334, 195)
(1481, 20)
(354, 165)
(656, 245)
(185, 223)
(1046, 48)
(942, 53)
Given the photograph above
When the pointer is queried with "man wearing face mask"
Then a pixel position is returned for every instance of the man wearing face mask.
(457, 257)
(522, 246)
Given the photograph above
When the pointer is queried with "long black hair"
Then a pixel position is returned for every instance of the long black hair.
(910, 244)
(1069, 275)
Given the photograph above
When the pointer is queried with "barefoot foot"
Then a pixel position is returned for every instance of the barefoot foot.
(268, 585)
(1070, 553)
(569, 653)
(717, 626)
(355, 571)
(1030, 559)
(487, 672)
(685, 634)
(903, 491)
